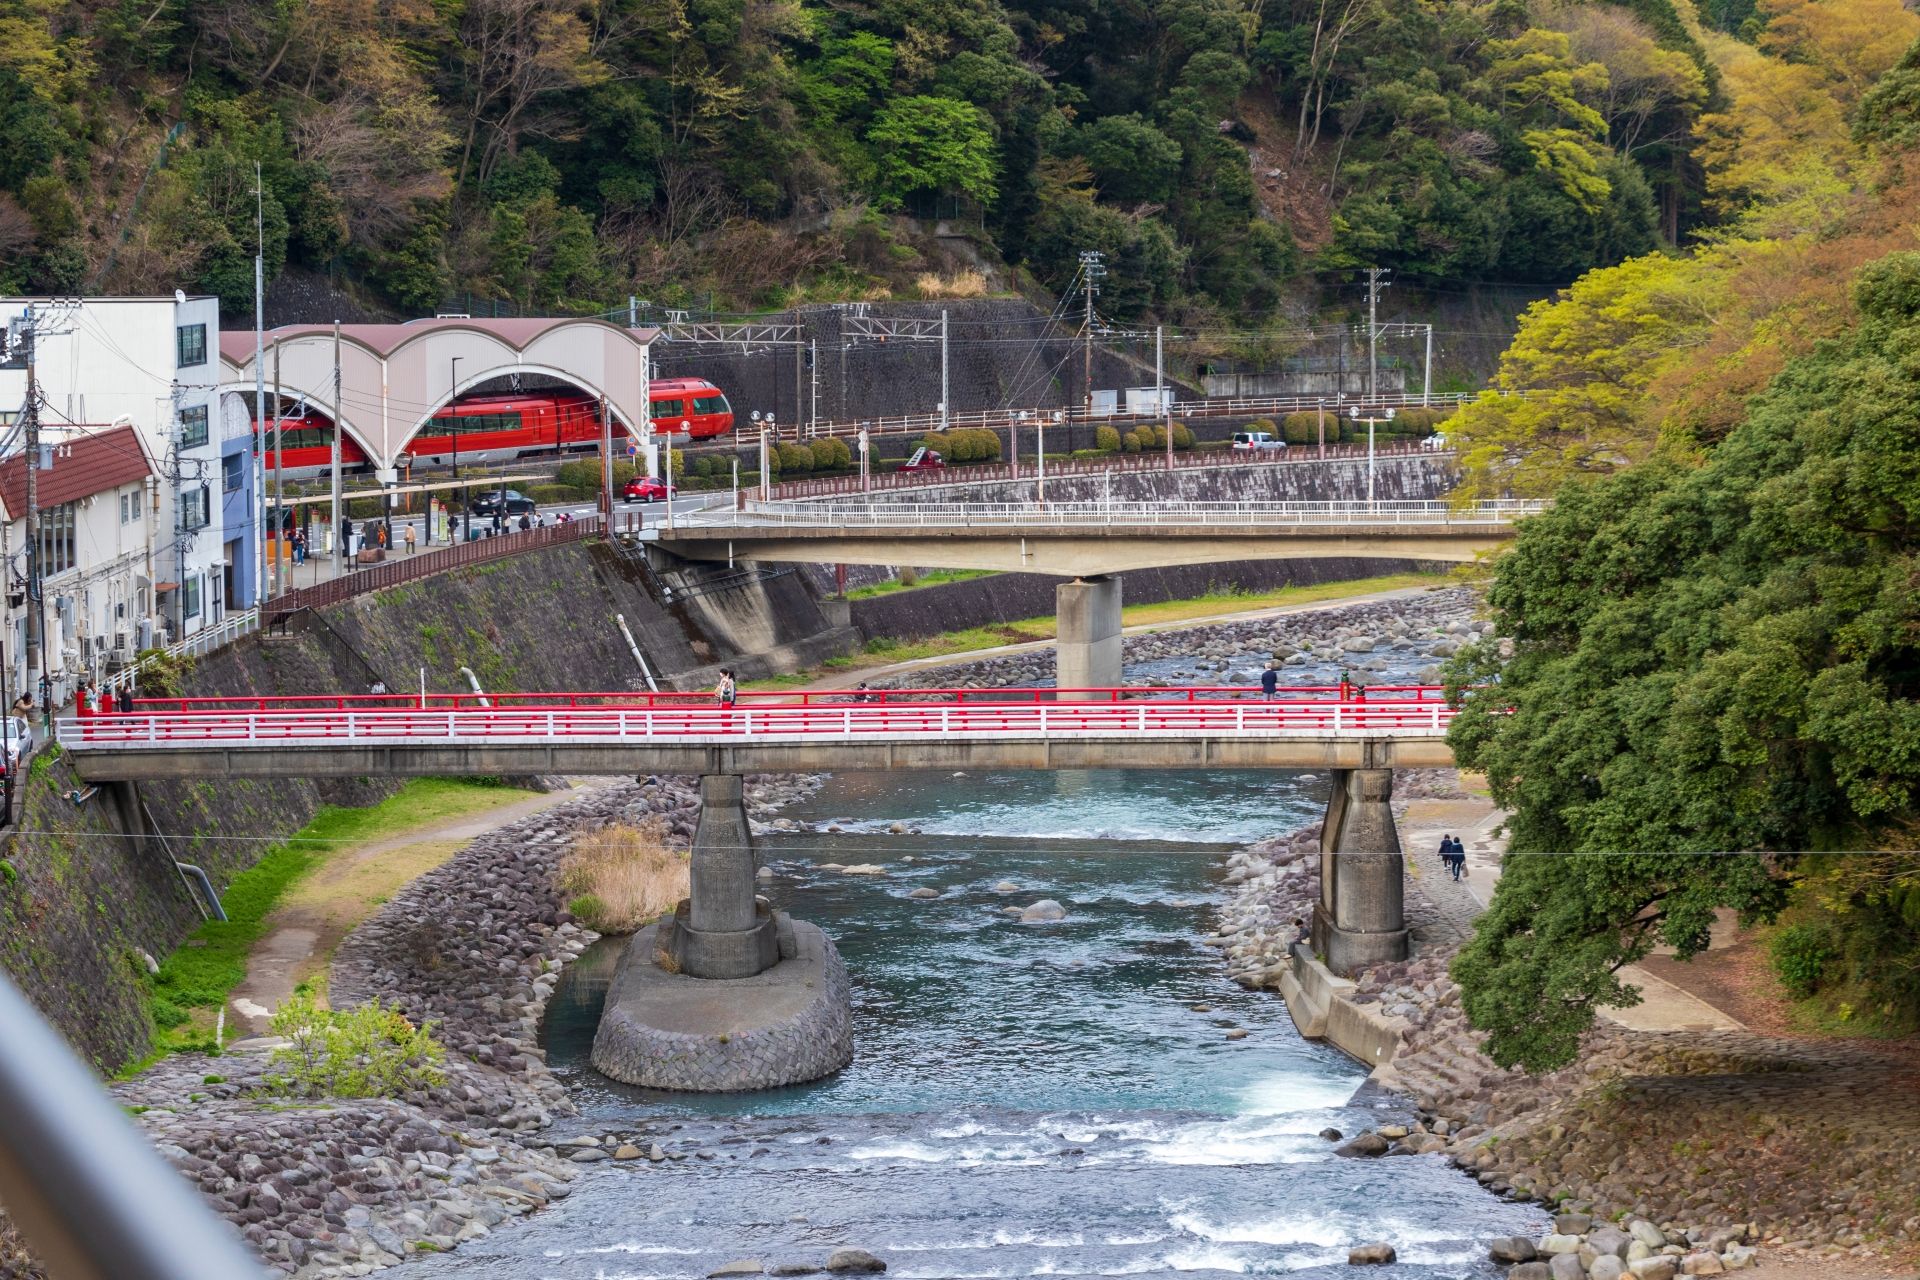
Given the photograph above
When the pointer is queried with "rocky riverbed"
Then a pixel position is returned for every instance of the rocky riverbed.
(1671, 1152)
(342, 1188)
(1410, 634)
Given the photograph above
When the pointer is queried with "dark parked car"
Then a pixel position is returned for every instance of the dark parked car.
(488, 503)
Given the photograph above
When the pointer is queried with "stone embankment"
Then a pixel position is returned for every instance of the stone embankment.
(1699, 1146)
(340, 1188)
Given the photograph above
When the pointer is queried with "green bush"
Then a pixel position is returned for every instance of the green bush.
(1106, 438)
(1088, 455)
(1304, 428)
(967, 445)
(545, 494)
(167, 1014)
(1133, 442)
(677, 464)
(366, 1052)
(589, 910)
(1800, 955)
(795, 459)
(1182, 438)
(582, 473)
(831, 454)
(941, 443)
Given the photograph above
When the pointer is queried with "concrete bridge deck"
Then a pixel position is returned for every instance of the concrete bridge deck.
(1086, 539)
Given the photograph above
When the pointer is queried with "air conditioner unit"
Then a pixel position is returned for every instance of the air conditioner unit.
(122, 646)
(99, 644)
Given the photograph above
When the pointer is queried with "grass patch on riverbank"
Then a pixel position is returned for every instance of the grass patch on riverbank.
(884, 651)
(194, 982)
(911, 581)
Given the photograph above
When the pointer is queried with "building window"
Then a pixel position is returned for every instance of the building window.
(194, 513)
(190, 597)
(233, 472)
(57, 540)
(130, 507)
(193, 427)
(192, 342)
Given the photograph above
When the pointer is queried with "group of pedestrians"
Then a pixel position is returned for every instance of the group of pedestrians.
(99, 702)
(1453, 855)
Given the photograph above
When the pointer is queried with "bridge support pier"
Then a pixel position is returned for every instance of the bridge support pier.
(722, 930)
(1087, 644)
(1360, 919)
(727, 993)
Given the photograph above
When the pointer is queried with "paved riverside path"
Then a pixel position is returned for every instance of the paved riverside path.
(1473, 818)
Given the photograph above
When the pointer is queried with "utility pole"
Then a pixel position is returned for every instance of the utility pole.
(1426, 377)
(333, 456)
(36, 620)
(1091, 273)
(282, 551)
(945, 413)
(1374, 286)
(813, 369)
(260, 359)
(1159, 390)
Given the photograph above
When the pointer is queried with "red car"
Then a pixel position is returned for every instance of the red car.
(924, 459)
(647, 489)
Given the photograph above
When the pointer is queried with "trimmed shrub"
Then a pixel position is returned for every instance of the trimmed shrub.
(795, 459)
(1133, 442)
(676, 464)
(1087, 455)
(1304, 428)
(1182, 438)
(941, 443)
(546, 494)
(831, 454)
(1106, 439)
(580, 474)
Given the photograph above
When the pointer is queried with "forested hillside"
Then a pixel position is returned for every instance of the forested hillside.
(558, 153)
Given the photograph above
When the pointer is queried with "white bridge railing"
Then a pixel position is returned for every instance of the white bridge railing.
(1106, 515)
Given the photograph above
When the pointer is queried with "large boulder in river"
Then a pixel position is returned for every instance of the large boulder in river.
(1371, 1255)
(854, 1262)
(1367, 1144)
(1043, 911)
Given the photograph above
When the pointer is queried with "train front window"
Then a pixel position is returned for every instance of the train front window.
(710, 404)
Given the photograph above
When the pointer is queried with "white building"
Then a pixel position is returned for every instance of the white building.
(152, 364)
(95, 518)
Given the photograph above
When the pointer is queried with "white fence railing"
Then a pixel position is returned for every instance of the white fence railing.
(200, 643)
(1112, 516)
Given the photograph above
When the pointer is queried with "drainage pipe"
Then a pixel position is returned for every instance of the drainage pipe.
(638, 657)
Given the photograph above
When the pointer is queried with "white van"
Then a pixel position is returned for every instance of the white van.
(1252, 440)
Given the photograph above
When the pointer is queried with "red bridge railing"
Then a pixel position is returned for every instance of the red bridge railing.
(580, 718)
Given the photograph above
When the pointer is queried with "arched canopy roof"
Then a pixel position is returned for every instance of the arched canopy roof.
(394, 377)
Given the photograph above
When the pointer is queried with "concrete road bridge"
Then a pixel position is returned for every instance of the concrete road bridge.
(1358, 740)
(1090, 543)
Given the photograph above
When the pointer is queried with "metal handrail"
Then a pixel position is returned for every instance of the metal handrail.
(93, 1198)
(200, 643)
(1104, 515)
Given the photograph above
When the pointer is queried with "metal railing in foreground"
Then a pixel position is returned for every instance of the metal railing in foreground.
(1105, 515)
(92, 1197)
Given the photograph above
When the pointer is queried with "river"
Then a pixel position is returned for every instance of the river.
(1026, 1099)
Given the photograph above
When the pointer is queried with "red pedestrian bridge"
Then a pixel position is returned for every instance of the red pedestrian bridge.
(640, 733)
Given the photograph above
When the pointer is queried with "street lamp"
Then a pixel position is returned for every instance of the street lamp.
(1370, 421)
(453, 434)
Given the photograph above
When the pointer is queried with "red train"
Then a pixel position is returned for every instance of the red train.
(503, 428)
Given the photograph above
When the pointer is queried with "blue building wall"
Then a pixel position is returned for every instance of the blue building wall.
(240, 518)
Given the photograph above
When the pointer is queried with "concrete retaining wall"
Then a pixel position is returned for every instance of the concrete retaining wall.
(1332, 480)
(1322, 1007)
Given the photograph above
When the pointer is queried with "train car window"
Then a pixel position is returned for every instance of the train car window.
(666, 409)
(710, 404)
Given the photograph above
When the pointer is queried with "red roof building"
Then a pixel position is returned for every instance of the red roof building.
(99, 461)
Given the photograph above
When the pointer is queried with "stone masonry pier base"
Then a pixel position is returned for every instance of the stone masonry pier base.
(785, 1025)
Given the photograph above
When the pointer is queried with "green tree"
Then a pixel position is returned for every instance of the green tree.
(933, 144)
(1132, 162)
(1713, 668)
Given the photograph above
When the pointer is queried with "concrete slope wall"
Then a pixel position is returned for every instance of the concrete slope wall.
(78, 907)
(1341, 480)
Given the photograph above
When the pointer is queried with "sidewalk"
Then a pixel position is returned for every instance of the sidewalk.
(1474, 820)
